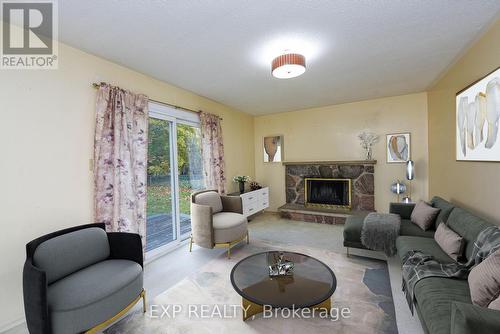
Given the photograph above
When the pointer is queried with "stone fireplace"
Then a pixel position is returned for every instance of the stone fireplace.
(328, 192)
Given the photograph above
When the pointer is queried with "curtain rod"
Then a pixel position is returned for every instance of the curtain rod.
(96, 86)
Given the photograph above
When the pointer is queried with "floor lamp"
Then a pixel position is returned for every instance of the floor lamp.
(410, 175)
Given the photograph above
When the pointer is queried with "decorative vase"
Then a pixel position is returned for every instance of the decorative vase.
(369, 153)
(242, 187)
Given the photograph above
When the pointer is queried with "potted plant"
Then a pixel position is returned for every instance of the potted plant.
(241, 179)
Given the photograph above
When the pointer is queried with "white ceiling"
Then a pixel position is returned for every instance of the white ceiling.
(222, 49)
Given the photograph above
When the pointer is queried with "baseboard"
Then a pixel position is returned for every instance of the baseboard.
(12, 325)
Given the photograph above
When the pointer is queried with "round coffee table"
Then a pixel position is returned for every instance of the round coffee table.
(311, 285)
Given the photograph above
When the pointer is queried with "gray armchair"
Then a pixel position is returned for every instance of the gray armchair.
(81, 279)
(217, 221)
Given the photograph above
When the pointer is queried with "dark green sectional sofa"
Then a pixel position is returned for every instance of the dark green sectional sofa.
(444, 305)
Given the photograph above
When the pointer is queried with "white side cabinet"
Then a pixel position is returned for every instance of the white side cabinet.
(254, 201)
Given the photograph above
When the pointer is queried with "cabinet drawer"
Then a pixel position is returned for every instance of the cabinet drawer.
(251, 209)
(250, 198)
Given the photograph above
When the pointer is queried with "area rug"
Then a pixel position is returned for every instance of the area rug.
(207, 303)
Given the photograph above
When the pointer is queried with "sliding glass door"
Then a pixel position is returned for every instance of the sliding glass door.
(190, 170)
(174, 172)
(161, 228)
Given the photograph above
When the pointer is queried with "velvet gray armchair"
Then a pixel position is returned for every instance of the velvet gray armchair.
(217, 221)
(81, 279)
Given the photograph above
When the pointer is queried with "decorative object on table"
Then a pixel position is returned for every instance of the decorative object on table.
(477, 120)
(278, 266)
(241, 180)
(273, 149)
(410, 175)
(367, 140)
(254, 186)
(398, 147)
(398, 188)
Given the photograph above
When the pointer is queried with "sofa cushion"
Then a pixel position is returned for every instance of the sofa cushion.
(468, 318)
(484, 280)
(449, 241)
(446, 208)
(428, 246)
(424, 215)
(94, 294)
(468, 226)
(495, 304)
(410, 229)
(210, 198)
(229, 226)
(352, 231)
(67, 253)
(434, 296)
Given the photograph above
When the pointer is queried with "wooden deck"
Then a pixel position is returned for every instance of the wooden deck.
(160, 231)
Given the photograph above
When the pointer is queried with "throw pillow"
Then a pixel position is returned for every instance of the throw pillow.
(449, 241)
(495, 305)
(484, 281)
(423, 215)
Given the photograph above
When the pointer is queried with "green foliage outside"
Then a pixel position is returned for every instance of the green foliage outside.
(159, 166)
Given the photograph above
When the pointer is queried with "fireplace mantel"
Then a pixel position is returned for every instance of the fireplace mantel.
(344, 162)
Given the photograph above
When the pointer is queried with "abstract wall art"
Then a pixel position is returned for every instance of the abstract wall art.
(273, 149)
(398, 147)
(477, 120)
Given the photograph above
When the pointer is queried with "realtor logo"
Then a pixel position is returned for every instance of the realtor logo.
(29, 35)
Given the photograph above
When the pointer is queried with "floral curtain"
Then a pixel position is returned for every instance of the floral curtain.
(212, 150)
(120, 160)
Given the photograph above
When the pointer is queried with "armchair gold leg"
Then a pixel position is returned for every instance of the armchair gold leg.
(144, 307)
(117, 316)
(229, 252)
(190, 244)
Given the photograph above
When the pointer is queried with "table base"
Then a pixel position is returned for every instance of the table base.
(253, 309)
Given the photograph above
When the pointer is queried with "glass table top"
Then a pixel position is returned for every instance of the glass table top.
(312, 281)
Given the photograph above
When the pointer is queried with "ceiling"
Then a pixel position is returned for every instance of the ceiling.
(222, 49)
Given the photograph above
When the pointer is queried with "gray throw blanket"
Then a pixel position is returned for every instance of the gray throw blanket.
(379, 232)
(417, 265)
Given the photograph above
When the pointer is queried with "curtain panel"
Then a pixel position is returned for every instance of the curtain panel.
(120, 160)
(212, 149)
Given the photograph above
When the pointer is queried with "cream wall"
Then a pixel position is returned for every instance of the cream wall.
(474, 185)
(330, 133)
(46, 131)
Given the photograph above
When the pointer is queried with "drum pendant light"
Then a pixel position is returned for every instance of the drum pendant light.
(288, 66)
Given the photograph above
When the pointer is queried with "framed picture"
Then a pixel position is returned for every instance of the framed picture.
(477, 120)
(398, 147)
(273, 149)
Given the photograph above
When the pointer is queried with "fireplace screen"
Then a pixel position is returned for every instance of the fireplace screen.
(328, 193)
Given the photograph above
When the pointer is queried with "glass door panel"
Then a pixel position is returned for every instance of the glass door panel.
(190, 171)
(161, 226)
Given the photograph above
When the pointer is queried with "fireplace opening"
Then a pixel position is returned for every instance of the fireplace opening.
(328, 193)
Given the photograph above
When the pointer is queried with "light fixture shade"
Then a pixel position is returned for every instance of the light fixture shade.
(398, 187)
(288, 66)
(410, 170)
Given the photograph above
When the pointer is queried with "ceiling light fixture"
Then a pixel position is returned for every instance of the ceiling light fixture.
(288, 66)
